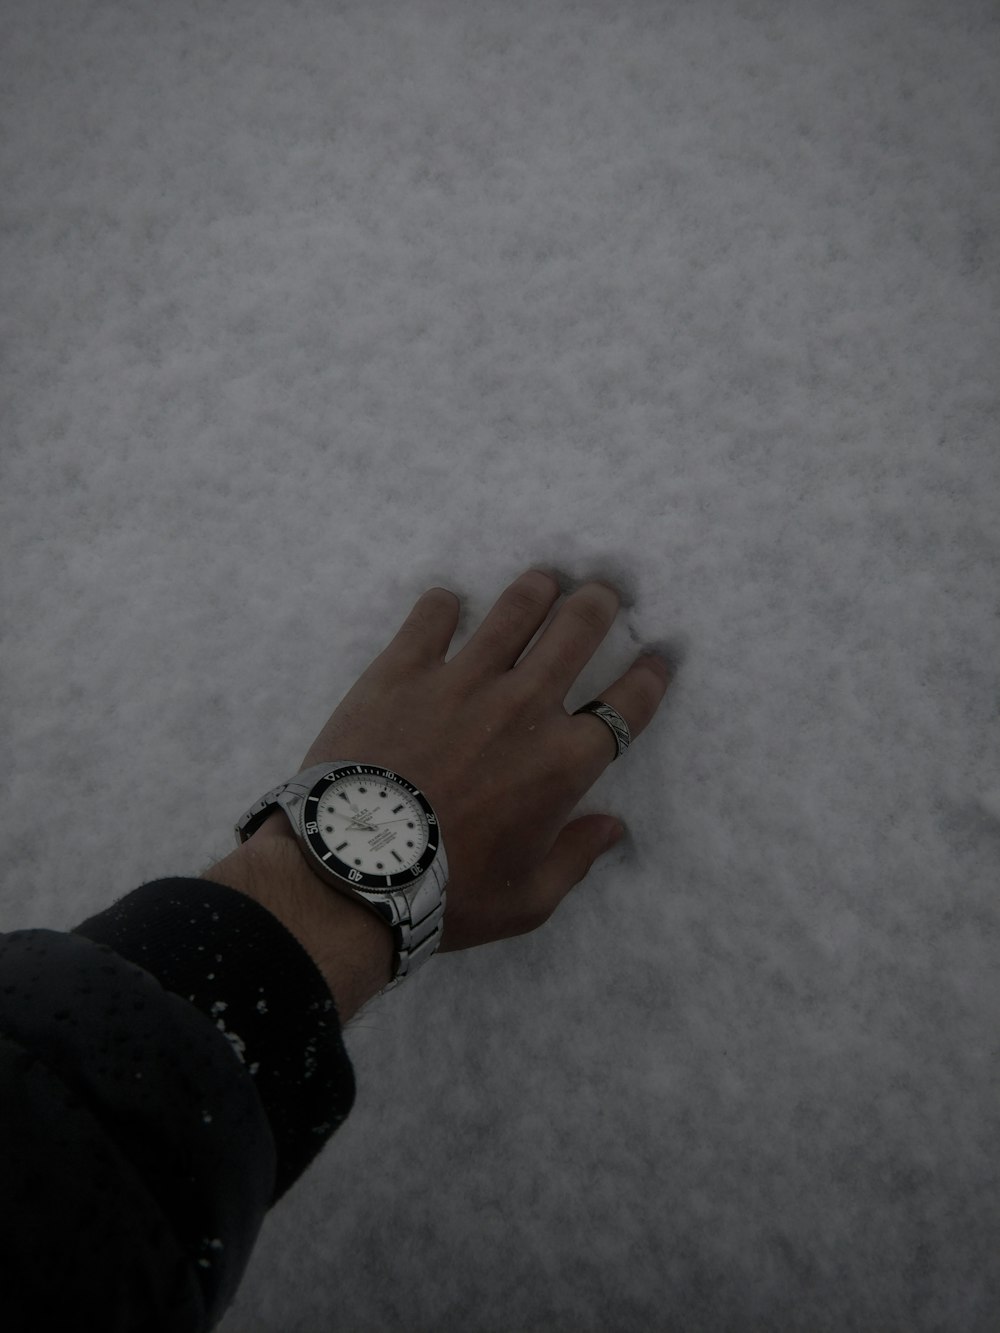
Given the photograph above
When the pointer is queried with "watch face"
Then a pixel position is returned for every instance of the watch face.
(370, 826)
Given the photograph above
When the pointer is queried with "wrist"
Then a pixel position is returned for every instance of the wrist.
(352, 948)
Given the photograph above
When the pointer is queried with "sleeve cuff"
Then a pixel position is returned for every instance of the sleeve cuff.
(237, 963)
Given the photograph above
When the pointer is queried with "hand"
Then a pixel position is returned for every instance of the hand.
(488, 740)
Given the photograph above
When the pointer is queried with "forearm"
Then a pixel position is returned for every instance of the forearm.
(350, 946)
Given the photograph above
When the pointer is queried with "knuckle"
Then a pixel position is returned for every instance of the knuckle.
(647, 697)
(520, 603)
(526, 596)
(591, 612)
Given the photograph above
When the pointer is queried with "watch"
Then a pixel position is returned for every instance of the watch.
(374, 837)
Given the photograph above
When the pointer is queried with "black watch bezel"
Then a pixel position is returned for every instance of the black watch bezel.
(402, 879)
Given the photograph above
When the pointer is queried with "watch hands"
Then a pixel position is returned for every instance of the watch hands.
(369, 827)
(383, 823)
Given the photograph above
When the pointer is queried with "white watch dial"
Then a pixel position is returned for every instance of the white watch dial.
(372, 824)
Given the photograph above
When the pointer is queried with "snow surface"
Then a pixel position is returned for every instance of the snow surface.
(306, 307)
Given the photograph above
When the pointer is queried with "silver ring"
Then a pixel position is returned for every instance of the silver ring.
(614, 719)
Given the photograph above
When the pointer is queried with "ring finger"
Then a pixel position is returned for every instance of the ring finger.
(637, 694)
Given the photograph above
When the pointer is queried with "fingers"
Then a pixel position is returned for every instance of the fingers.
(556, 660)
(510, 626)
(563, 650)
(578, 630)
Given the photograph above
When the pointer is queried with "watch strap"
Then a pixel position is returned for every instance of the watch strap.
(419, 937)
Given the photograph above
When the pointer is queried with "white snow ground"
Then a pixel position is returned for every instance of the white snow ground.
(309, 306)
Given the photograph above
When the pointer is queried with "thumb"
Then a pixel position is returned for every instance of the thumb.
(575, 850)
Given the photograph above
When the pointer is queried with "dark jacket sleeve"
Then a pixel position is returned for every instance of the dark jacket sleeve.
(168, 1069)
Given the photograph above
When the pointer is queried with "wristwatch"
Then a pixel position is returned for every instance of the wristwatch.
(374, 837)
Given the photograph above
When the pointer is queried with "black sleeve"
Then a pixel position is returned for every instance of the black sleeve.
(168, 1069)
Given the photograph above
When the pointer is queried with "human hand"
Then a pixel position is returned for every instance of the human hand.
(488, 740)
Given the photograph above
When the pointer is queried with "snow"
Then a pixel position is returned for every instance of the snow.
(307, 308)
